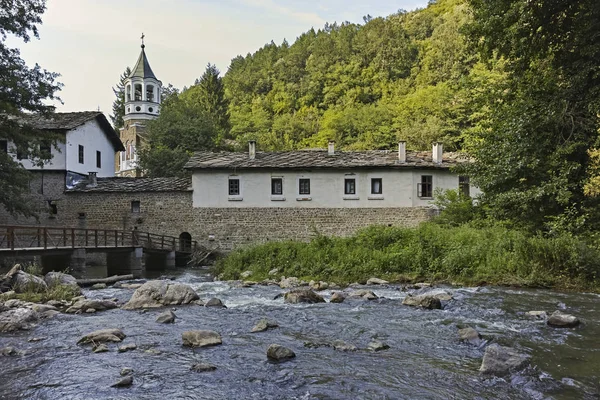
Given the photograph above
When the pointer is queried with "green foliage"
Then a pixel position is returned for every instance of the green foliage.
(57, 292)
(455, 208)
(465, 254)
(22, 89)
(118, 106)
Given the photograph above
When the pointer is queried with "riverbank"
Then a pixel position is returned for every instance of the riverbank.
(464, 255)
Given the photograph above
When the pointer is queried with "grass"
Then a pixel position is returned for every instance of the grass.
(57, 292)
(464, 255)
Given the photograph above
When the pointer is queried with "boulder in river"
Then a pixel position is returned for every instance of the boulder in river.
(337, 297)
(320, 285)
(424, 301)
(100, 348)
(500, 360)
(276, 352)
(127, 347)
(9, 351)
(559, 319)
(469, 335)
(125, 382)
(98, 286)
(53, 279)
(23, 282)
(160, 293)
(201, 338)
(537, 314)
(214, 302)
(103, 335)
(17, 319)
(291, 282)
(85, 305)
(203, 367)
(167, 317)
(362, 294)
(264, 324)
(340, 345)
(377, 345)
(376, 281)
(126, 371)
(302, 295)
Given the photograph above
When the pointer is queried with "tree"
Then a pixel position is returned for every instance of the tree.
(118, 107)
(533, 150)
(22, 89)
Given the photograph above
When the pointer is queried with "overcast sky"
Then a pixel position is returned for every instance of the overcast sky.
(91, 42)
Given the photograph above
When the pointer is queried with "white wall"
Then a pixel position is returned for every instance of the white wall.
(327, 188)
(58, 161)
(93, 138)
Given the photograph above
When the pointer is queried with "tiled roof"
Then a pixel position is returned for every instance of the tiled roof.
(135, 185)
(71, 120)
(320, 159)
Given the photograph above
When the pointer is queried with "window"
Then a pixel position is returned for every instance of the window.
(80, 154)
(53, 208)
(376, 186)
(46, 148)
(304, 186)
(425, 188)
(4, 146)
(276, 186)
(234, 187)
(149, 93)
(138, 92)
(22, 152)
(135, 206)
(464, 186)
(128, 91)
(349, 186)
(98, 159)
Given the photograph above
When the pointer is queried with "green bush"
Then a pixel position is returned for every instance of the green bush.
(463, 254)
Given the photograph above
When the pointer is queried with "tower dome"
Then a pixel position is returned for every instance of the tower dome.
(142, 91)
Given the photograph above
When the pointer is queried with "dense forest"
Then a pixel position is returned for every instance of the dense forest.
(514, 84)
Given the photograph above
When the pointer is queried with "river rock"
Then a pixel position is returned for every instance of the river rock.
(103, 335)
(274, 271)
(203, 367)
(9, 352)
(101, 348)
(279, 353)
(167, 317)
(201, 338)
(377, 345)
(469, 335)
(53, 279)
(264, 324)
(499, 360)
(559, 319)
(214, 302)
(125, 382)
(160, 293)
(23, 282)
(337, 297)
(340, 345)
(537, 314)
(362, 294)
(127, 347)
(302, 295)
(98, 286)
(126, 371)
(421, 285)
(318, 285)
(17, 319)
(424, 301)
(84, 305)
(376, 281)
(291, 282)
(246, 274)
(41, 308)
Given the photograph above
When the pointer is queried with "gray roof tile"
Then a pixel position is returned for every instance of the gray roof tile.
(118, 184)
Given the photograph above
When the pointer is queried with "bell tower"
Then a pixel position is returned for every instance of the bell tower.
(142, 104)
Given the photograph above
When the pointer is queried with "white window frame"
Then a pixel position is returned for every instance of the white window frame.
(277, 197)
(374, 196)
(303, 197)
(239, 196)
(420, 186)
(354, 196)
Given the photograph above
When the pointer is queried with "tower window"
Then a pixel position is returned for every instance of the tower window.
(128, 93)
(149, 93)
(138, 108)
(138, 92)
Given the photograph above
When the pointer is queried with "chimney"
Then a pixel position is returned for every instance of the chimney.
(402, 151)
(92, 180)
(252, 149)
(331, 148)
(437, 152)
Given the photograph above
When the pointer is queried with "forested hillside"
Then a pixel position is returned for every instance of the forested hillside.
(407, 76)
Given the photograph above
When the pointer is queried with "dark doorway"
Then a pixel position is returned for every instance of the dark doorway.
(185, 242)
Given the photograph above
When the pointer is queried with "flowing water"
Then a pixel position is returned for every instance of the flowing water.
(425, 359)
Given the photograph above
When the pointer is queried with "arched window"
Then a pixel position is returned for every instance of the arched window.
(185, 242)
(126, 152)
(138, 92)
(149, 93)
(128, 93)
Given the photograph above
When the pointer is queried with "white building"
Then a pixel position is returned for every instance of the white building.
(323, 178)
(87, 143)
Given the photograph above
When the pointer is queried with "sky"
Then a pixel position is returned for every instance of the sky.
(91, 42)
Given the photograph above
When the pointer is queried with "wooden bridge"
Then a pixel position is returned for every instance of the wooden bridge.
(130, 250)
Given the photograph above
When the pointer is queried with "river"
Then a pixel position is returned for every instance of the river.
(425, 359)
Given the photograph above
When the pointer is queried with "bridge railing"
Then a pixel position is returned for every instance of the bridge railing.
(36, 237)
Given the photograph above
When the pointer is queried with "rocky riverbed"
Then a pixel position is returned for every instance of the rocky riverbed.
(236, 340)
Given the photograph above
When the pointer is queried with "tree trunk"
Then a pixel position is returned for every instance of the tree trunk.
(109, 280)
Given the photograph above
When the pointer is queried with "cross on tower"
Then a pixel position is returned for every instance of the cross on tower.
(143, 36)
